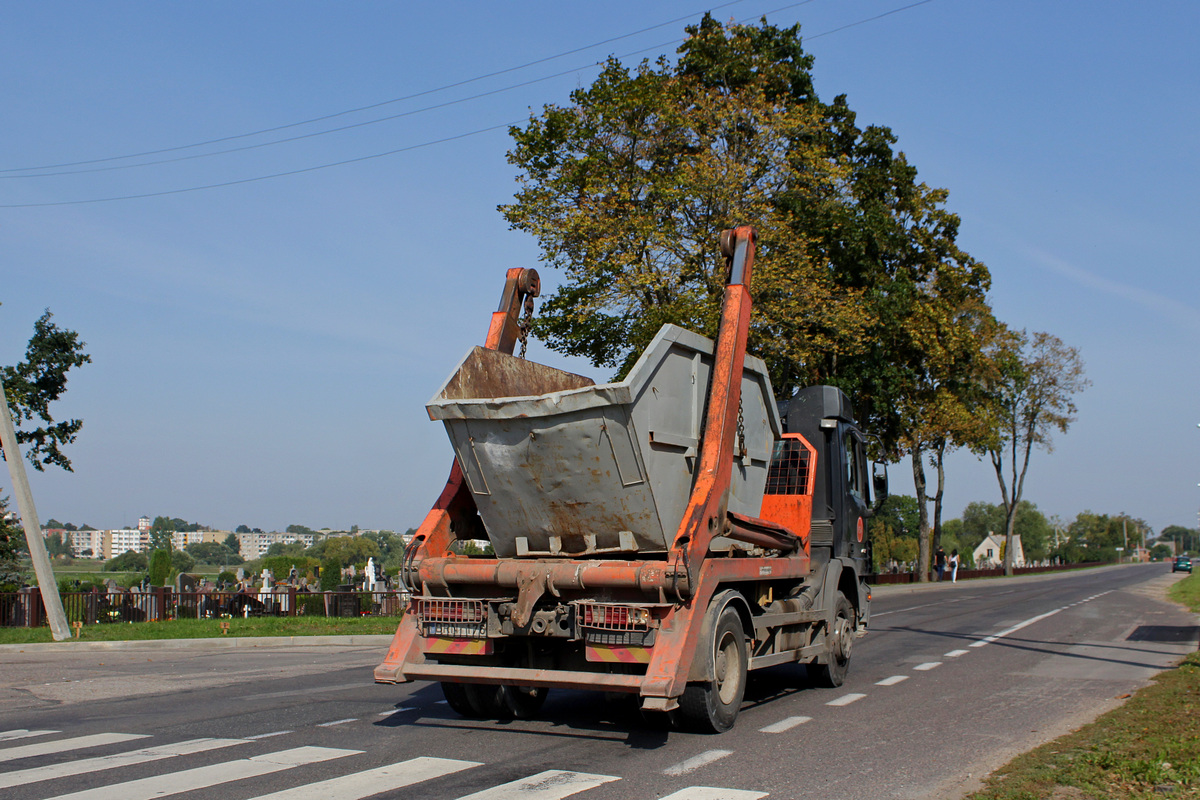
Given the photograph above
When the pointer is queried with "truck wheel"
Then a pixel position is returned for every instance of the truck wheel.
(523, 702)
(838, 643)
(475, 701)
(712, 706)
(459, 699)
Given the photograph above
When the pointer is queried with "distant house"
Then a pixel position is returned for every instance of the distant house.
(989, 553)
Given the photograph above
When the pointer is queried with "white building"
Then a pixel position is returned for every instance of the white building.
(86, 544)
(988, 554)
(126, 539)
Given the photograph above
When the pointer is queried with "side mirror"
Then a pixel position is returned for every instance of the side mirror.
(879, 482)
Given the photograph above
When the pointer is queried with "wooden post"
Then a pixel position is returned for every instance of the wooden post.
(33, 527)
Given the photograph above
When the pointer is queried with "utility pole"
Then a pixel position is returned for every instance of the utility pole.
(33, 527)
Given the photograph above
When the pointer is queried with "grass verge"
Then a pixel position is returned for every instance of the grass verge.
(211, 629)
(1149, 747)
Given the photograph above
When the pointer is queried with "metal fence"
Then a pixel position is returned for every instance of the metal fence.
(25, 608)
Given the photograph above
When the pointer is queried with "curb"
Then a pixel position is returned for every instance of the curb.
(214, 643)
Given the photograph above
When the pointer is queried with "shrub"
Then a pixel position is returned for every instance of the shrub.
(159, 567)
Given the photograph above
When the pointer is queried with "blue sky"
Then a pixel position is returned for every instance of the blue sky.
(263, 351)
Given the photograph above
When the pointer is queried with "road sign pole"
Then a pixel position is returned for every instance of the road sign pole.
(33, 527)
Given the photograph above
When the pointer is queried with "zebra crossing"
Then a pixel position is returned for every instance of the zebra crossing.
(105, 784)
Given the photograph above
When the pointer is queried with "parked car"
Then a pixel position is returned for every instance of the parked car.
(1182, 564)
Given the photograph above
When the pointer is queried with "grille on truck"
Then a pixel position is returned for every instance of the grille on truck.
(608, 617)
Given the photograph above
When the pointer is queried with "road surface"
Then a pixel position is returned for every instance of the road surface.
(950, 683)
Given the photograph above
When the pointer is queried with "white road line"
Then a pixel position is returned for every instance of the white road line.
(128, 758)
(785, 724)
(955, 653)
(549, 785)
(713, 793)
(846, 699)
(696, 762)
(212, 775)
(22, 733)
(373, 781)
(267, 735)
(928, 665)
(892, 681)
(336, 722)
(63, 745)
(995, 636)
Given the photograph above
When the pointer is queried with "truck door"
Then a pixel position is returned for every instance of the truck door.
(857, 496)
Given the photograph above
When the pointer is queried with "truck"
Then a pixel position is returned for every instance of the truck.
(662, 536)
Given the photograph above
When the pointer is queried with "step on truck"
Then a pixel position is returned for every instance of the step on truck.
(661, 536)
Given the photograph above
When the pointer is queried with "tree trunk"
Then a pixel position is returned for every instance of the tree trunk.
(923, 550)
(939, 463)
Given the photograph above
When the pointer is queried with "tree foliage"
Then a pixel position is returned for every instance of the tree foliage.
(33, 384)
(1029, 394)
(129, 561)
(12, 544)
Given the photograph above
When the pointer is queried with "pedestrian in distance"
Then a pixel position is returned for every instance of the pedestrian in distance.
(953, 564)
(939, 563)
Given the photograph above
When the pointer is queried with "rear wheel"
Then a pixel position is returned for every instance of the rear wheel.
(522, 702)
(839, 641)
(711, 706)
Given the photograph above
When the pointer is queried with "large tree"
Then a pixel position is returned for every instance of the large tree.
(1030, 395)
(34, 383)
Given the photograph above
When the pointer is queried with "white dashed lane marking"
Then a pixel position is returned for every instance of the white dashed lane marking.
(785, 725)
(22, 733)
(892, 681)
(713, 793)
(846, 699)
(268, 735)
(696, 762)
(928, 665)
(956, 653)
(336, 722)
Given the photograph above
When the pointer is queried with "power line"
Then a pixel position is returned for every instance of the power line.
(366, 123)
(410, 147)
(264, 177)
(366, 107)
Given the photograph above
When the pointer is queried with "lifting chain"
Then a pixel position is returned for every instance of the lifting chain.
(741, 431)
(524, 324)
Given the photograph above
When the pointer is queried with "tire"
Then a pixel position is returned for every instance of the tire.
(458, 699)
(522, 702)
(838, 645)
(475, 701)
(712, 706)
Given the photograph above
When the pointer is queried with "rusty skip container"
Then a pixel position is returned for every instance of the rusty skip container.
(561, 467)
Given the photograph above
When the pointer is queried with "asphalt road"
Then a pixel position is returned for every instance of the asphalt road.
(951, 682)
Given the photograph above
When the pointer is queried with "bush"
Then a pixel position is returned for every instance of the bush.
(226, 577)
(280, 566)
(128, 561)
(159, 567)
(331, 574)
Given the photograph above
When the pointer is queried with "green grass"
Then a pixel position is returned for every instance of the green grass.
(210, 628)
(1149, 747)
(1187, 592)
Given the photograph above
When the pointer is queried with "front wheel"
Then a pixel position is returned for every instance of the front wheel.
(711, 706)
(839, 641)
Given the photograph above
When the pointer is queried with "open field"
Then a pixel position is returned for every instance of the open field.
(210, 628)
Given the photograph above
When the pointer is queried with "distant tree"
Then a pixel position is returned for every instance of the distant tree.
(12, 542)
(129, 561)
(1160, 551)
(349, 550)
(1030, 392)
(286, 549)
(300, 529)
(33, 384)
(331, 574)
(159, 567)
(212, 553)
(980, 519)
(86, 527)
(1187, 540)
(160, 533)
(56, 546)
(233, 543)
(242, 529)
(181, 561)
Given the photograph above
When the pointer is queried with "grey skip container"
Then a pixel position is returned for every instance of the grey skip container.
(559, 466)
